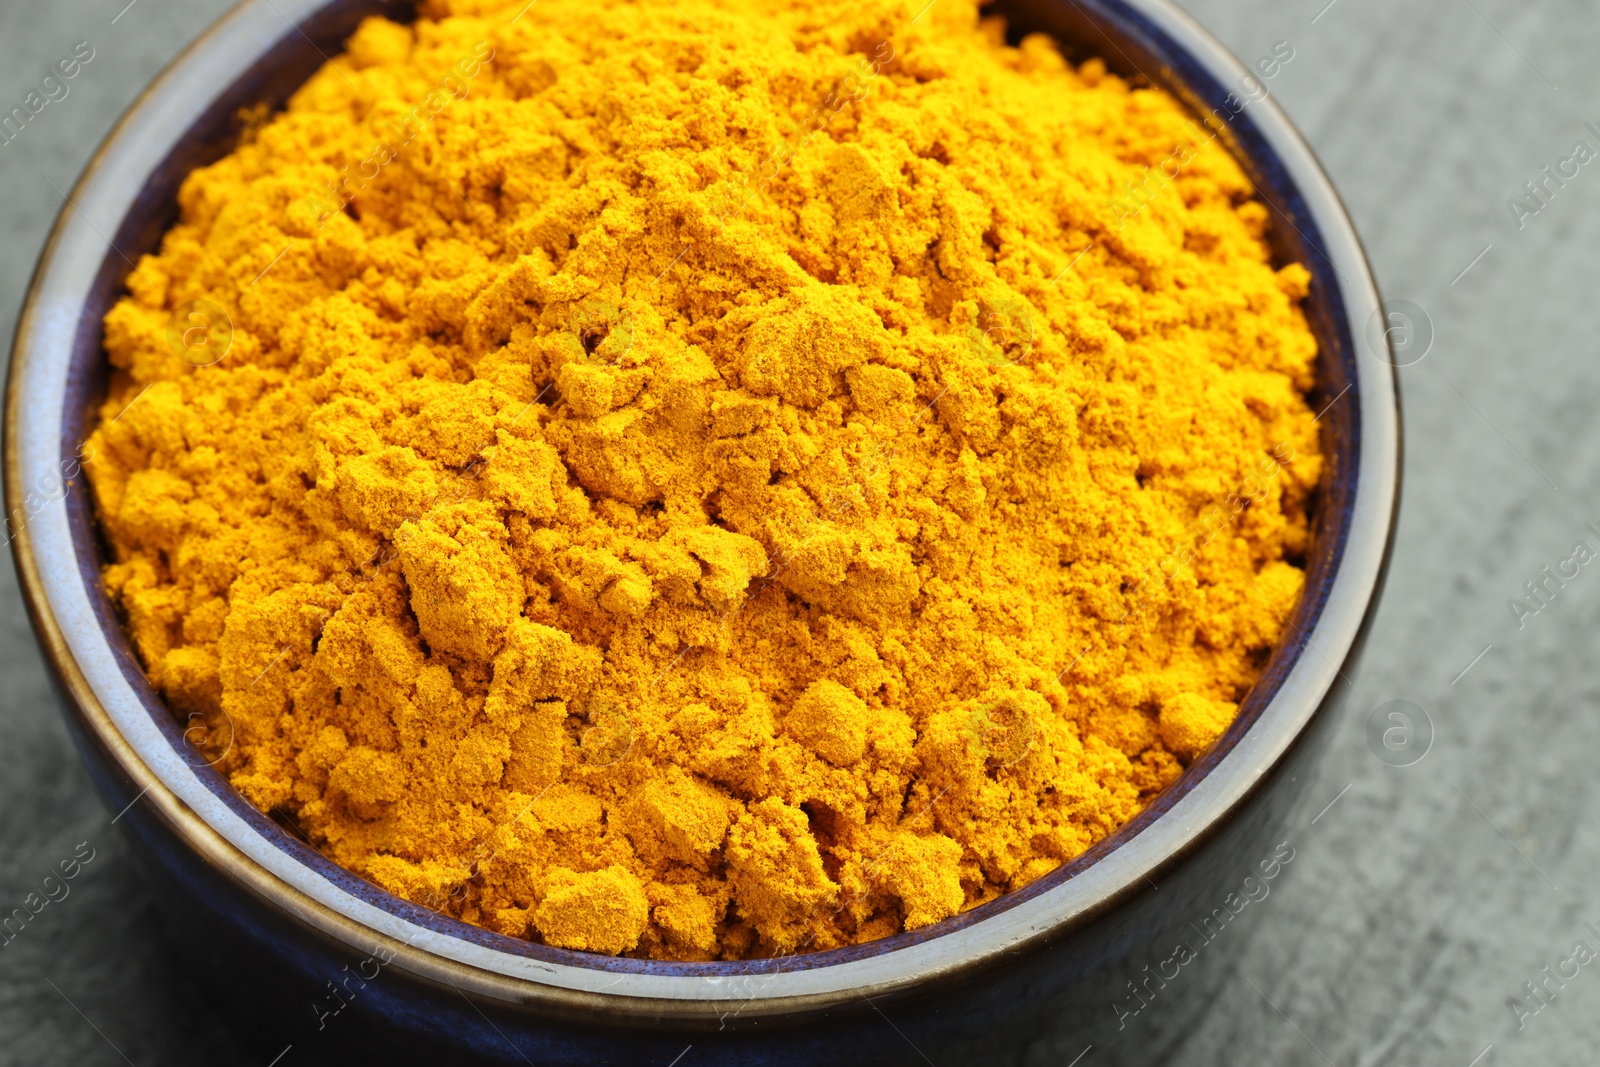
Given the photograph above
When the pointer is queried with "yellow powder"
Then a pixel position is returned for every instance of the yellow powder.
(702, 480)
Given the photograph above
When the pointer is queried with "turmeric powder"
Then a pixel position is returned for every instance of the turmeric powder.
(703, 481)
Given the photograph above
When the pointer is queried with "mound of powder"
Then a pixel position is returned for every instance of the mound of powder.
(706, 480)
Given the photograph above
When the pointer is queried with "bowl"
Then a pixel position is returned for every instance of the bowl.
(310, 956)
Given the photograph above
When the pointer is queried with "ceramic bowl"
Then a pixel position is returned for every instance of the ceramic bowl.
(326, 961)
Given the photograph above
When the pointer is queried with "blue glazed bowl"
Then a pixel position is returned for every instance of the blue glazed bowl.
(313, 957)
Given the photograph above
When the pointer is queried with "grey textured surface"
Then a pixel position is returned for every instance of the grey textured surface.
(1427, 895)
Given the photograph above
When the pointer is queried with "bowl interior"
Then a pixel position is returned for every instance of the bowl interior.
(1132, 42)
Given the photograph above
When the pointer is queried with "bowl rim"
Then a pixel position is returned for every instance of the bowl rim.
(71, 629)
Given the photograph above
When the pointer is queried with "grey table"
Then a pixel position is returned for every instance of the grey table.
(1424, 897)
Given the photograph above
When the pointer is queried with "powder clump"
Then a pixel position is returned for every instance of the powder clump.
(705, 481)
